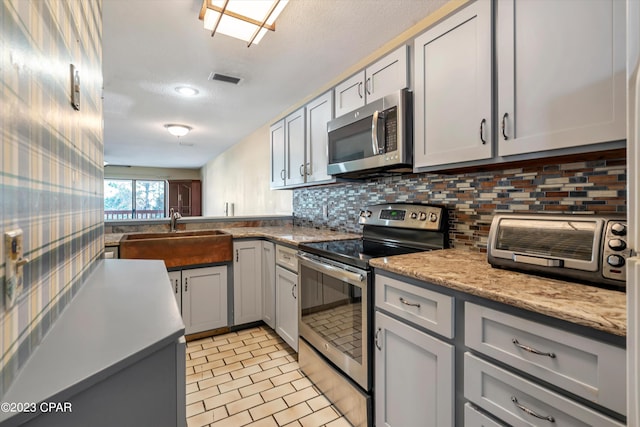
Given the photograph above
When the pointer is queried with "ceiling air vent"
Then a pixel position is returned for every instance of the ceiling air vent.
(224, 78)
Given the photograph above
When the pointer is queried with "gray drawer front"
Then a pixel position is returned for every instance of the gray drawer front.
(499, 392)
(475, 418)
(430, 310)
(588, 368)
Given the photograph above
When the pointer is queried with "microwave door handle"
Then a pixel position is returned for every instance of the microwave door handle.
(377, 133)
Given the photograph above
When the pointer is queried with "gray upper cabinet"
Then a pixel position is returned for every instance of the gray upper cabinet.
(453, 89)
(319, 112)
(295, 145)
(561, 74)
(278, 171)
(381, 78)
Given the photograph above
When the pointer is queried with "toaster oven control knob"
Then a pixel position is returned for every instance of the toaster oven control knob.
(433, 217)
(617, 244)
(615, 260)
(619, 229)
(414, 215)
(423, 216)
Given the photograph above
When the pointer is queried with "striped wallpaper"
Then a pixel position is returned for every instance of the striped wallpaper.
(51, 161)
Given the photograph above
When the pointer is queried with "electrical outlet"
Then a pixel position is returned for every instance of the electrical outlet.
(14, 262)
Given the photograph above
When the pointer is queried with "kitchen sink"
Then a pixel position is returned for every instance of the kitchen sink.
(179, 249)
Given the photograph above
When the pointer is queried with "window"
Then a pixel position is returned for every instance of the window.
(134, 198)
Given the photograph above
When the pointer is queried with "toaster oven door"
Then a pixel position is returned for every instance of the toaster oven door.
(548, 242)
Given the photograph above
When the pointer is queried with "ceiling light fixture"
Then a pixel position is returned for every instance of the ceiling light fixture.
(187, 91)
(246, 20)
(178, 130)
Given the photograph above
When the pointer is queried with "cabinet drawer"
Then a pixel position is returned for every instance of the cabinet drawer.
(286, 257)
(475, 418)
(431, 310)
(520, 402)
(588, 368)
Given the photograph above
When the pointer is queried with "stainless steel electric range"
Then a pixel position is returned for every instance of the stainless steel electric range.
(336, 299)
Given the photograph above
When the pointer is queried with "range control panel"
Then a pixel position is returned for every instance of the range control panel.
(400, 215)
(615, 251)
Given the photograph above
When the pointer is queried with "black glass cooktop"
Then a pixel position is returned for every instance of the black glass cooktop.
(355, 252)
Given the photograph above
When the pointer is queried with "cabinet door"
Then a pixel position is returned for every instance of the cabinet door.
(204, 299)
(561, 74)
(295, 146)
(414, 377)
(388, 75)
(349, 94)
(247, 281)
(277, 141)
(269, 284)
(453, 89)
(176, 285)
(319, 112)
(287, 306)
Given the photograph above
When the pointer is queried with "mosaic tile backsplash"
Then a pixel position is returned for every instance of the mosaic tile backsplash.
(51, 157)
(472, 198)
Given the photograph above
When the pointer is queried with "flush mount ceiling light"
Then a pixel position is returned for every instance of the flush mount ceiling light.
(246, 20)
(187, 91)
(178, 130)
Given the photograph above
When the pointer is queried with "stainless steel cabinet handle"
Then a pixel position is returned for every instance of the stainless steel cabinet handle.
(186, 284)
(411, 304)
(532, 413)
(302, 169)
(482, 131)
(504, 126)
(360, 89)
(176, 286)
(237, 256)
(309, 170)
(292, 291)
(368, 87)
(282, 174)
(532, 350)
(378, 346)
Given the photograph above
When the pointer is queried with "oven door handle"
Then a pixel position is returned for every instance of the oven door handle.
(356, 279)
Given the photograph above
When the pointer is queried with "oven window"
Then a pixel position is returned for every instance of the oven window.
(333, 309)
(558, 239)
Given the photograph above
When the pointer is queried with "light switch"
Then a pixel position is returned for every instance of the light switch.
(14, 262)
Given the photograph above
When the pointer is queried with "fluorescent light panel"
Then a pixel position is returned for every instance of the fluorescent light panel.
(255, 10)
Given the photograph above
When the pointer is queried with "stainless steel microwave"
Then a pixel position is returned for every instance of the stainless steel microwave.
(377, 137)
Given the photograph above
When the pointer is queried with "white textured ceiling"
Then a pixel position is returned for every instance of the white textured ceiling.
(152, 46)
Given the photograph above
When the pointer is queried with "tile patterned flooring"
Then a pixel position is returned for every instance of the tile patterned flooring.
(252, 378)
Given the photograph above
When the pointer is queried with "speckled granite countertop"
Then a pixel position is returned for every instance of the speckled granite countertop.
(287, 235)
(470, 272)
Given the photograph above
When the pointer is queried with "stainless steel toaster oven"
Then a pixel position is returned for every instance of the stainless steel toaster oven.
(589, 248)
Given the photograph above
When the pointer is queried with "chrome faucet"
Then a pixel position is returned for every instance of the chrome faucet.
(173, 218)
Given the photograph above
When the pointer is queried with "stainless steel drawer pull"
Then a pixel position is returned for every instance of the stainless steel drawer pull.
(532, 413)
(533, 350)
(378, 346)
(411, 304)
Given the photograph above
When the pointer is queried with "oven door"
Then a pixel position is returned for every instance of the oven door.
(334, 314)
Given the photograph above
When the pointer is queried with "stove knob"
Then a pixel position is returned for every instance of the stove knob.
(615, 260)
(619, 229)
(617, 244)
(433, 217)
(423, 216)
(414, 215)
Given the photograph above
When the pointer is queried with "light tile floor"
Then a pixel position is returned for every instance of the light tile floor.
(252, 378)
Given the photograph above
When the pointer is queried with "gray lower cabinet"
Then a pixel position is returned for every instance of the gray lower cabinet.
(201, 294)
(287, 306)
(414, 375)
(269, 284)
(247, 281)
